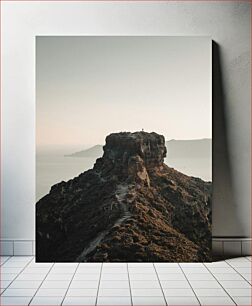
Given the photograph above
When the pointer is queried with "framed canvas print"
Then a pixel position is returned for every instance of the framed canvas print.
(123, 149)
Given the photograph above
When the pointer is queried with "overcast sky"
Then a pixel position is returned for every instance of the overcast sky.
(88, 87)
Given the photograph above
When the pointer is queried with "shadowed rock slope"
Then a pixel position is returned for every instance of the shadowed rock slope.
(129, 207)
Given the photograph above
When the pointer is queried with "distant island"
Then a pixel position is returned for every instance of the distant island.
(196, 148)
(95, 151)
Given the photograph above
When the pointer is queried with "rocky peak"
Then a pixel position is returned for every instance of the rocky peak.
(132, 154)
(122, 147)
(129, 207)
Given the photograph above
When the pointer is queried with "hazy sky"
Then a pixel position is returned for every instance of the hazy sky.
(88, 87)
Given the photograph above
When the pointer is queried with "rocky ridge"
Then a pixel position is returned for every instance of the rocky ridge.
(129, 207)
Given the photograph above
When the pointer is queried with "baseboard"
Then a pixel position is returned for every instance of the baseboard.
(222, 247)
(225, 247)
(17, 247)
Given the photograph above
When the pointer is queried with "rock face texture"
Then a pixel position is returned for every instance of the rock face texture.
(129, 207)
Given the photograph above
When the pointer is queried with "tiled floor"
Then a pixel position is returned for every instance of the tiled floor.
(24, 282)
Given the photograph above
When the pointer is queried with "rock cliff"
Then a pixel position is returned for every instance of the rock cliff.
(129, 207)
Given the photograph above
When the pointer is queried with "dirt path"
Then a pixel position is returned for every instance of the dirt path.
(121, 192)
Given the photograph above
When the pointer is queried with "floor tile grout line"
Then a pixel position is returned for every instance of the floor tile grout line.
(131, 299)
(220, 284)
(239, 272)
(98, 288)
(41, 283)
(70, 283)
(160, 283)
(1, 266)
(16, 276)
(247, 258)
(9, 257)
(190, 284)
(230, 260)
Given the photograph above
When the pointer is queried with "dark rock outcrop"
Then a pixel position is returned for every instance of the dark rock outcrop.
(129, 207)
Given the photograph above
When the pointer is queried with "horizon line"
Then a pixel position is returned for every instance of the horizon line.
(99, 144)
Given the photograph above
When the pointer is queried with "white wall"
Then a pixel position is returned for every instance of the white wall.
(229, 25)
